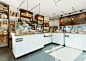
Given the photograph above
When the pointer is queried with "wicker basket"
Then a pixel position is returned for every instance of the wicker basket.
(14, 13)
(11, 12)
(5, 32)
(1, 32)
(5, 39)
(1, 38)
(5, 8)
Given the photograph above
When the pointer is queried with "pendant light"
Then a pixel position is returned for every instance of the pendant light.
(53, 18)
(53, 21)
(72, 18)
(61, 20)
(27, 13)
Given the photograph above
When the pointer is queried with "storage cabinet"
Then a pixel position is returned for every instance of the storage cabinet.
(69, 40)
(28, 44)
(58, 38)
(76, 41)
(84, 43)
(47, 40)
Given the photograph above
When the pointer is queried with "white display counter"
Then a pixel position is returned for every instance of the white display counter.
(47, 40)
(23, 44)
(58, 38)
(77, 41)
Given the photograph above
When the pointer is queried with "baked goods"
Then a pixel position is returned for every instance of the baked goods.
(14, 13)
(4, 23)
(5, 39)
(17, 14)
(4, 16)
(5, 32)
(1, 38)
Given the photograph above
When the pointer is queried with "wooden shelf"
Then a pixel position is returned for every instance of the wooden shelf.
(46, 26)
(3, 11)
(46, 23)
(13, 17)
(34, 21)
(24, 11)
(4, 27)
(3, 19)
(3, 35)
(26, 17)
(40, 20)
(40, 24)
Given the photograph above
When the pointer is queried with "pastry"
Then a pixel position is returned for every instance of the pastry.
(5, 39)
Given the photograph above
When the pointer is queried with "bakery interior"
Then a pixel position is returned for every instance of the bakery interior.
(42, 30)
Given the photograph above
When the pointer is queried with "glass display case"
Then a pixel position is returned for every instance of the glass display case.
(81, 29)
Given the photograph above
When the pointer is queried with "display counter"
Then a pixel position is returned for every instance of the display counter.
(58, 38)
(77, 41)
(23, 44)
(47, 38)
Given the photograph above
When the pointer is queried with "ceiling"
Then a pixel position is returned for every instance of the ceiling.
(47, 7)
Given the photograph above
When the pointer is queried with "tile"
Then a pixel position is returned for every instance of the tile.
(50, 52)
(81, 57)
(41, 56)
(53, 49)
(66, 54)
(85, 59)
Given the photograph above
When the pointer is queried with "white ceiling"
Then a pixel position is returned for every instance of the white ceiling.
(47, 7)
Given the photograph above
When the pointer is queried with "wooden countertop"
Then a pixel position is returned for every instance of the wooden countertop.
(33, 34)
(75, 33)
(29, 34)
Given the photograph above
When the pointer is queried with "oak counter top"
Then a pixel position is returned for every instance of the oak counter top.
(28, 34)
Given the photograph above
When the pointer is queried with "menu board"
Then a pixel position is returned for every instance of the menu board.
(65, 21)
(73, 19)
(80, 19)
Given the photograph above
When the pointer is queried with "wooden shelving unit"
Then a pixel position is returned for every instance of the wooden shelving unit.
(46, 24)
(40, 21)
(4, 21)
(26, 15)
(13, 17)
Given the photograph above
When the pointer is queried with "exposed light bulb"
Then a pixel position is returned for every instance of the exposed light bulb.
(27, 14)
(72, 18)
(53, 21)
(61, 20)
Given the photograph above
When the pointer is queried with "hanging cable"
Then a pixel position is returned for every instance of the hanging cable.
(21, 4)
(56, 2)
(34, 7)
(62, 13)
(73, 9)
(39, 8)
(27, 4)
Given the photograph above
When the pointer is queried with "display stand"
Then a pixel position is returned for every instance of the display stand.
(4, 27)
(40, 22)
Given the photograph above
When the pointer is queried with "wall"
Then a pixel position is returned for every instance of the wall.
(55, 23)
